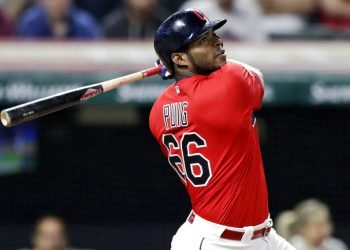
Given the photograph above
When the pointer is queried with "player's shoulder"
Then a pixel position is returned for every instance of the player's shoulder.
(233, 67)
(176, 90)
(230, 70)
(165, 93)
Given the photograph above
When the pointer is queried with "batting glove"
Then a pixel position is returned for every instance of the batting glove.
(164, 73)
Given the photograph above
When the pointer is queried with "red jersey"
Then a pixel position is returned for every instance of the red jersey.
(206, 128)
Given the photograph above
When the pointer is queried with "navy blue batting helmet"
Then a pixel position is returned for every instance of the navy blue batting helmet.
(180, 29)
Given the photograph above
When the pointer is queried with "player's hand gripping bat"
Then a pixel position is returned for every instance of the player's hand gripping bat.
(38, 108)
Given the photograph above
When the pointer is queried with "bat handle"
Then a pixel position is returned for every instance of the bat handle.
(152, 71)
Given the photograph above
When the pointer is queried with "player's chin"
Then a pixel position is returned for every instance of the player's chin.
(220, 60)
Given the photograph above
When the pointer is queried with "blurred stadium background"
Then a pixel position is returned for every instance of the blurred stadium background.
(97, 165)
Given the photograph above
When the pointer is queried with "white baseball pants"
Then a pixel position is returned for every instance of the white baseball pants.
(205, 235)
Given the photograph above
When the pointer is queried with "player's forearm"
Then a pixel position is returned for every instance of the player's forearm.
(249, 68)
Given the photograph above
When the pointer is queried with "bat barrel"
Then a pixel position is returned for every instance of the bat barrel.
(5, 118)
(38, 108)
(35, 109)
(28, 112)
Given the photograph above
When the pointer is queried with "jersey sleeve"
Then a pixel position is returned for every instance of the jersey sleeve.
(245, 87)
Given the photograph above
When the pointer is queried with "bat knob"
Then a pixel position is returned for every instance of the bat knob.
(5, 119)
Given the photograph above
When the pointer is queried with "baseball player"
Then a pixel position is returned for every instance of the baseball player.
(205, 125)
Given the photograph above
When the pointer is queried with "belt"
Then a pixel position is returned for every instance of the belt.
(234, 235)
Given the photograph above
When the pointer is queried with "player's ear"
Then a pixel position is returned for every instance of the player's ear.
(180, 59)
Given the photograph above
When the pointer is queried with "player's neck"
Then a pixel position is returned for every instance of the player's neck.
(182, 75)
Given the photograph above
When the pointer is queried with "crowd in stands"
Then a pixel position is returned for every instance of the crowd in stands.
(309, 227)
(249, 20)
(50, 233)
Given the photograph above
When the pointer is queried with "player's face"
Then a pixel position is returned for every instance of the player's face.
(206, 54)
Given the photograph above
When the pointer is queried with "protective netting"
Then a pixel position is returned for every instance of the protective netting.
(116, 190)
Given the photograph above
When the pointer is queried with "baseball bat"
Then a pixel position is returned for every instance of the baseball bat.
(44, 106)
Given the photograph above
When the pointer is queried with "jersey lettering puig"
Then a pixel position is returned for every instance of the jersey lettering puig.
(206, 128)
(189, 167)
(175, 115)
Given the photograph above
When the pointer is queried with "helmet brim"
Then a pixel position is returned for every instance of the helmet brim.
(217, 24)
(214, 25)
